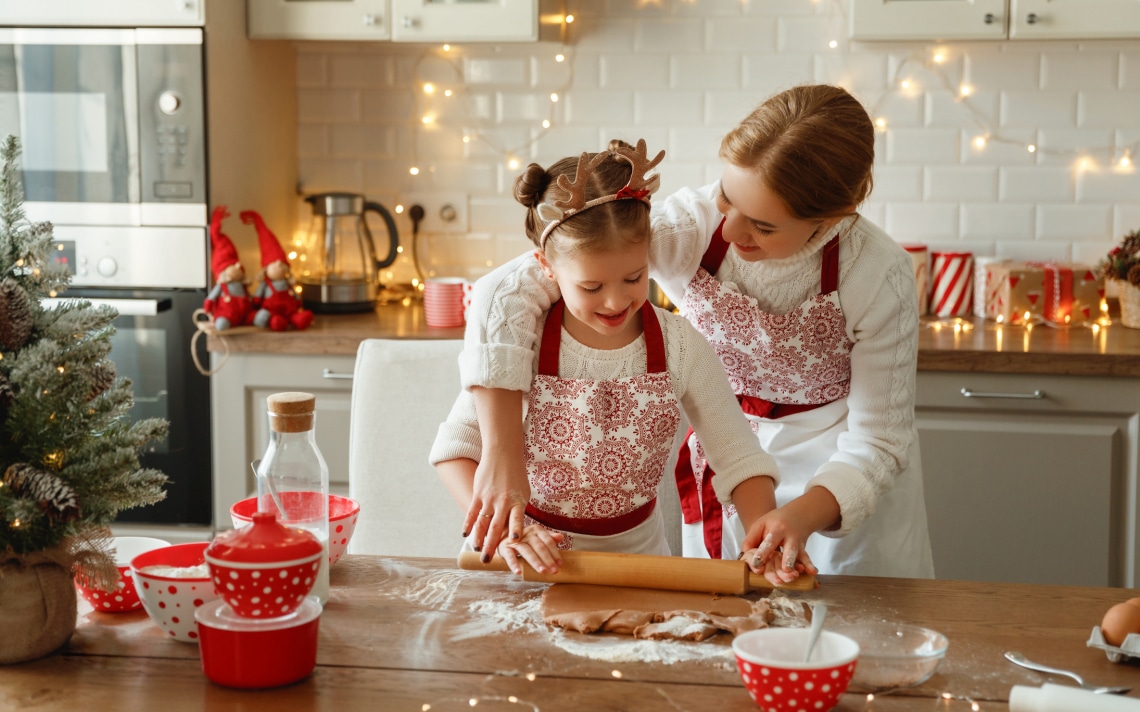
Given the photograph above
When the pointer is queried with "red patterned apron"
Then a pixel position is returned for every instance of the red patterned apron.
(596, 450)
(777, 364)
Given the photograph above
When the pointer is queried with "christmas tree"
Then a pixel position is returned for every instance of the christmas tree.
(68, 452)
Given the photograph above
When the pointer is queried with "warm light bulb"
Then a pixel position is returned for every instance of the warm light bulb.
(466, 139)
(414, 171)
(905, 84)
(428, 119)
(569, 19)
(881, 122)
(1031, 148)
(429, 88)
(447, 48)
(1026, 316)
(559, 58)
(1084, 164)
(947, 696)
(1095, 328)
(979, 142)
(833, 44)
(1000, 318)
(965, 90)
(939, 58)
(447, 92)
(400, 209)
(546, 123)
(554, 96)
(513, 163)
(1125, 161)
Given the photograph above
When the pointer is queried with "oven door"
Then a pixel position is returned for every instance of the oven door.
(151, 346)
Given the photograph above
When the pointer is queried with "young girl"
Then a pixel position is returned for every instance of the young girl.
(611, 373)
(811, 309)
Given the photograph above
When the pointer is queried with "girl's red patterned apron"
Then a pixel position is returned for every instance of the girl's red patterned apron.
(596, 450)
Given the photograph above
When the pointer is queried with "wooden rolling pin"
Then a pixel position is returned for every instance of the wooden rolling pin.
(671, 573)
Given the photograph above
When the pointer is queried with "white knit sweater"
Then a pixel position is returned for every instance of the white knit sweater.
(698, 381)
(877, 295)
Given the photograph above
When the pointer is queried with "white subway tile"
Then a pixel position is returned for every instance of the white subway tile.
(900, 112)
(319, 175)
(658, 35)
(359, 70)
(312, 140)
(1064, 146)
(481, 105)
(978, 248)
(766, 74)
(488, 143)
(562, 141)
(312, 69)
(1038, 251)
(361, 140)
(525, 106)
(1087, 71)
(1125, 219)
(1000, 71)
(433, 145)
(694, 143)
(724, 109)
(1053, 109)
(897, 183)
(1108, 186)
(1102, 109)
(597, 32)
(1130, 71)
(587, 69)
(680, 174)
(944, 109)
(548, 72)
(496, 71)
(704, 8)
(1091, 252)
(454, 175)
(922, 146)
(668, 108)
(875, 212)
(858, 72)
(634, 71)
(998, 222)
(636, 8)
(509, 245)
(705, 71)
(740, 34)
(1038, 184)
(380, 176)
(920, 222)
(495, 214)
(328, 105)
(1009, 148)
(779, 8)
(960, 183)
(713, 171)
(1073, 222)
(656, 137)
(391, 105)
(806, 34)
(593, 107)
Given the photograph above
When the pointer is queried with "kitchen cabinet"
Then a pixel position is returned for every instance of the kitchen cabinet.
(1031, 478)
(240, 426)
(994, 19)
(397, 20)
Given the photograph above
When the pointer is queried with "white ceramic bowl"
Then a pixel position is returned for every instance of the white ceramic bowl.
(168, 596)
(894, 655)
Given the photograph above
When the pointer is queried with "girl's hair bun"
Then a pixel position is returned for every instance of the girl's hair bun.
(617, 143)
(531, 185)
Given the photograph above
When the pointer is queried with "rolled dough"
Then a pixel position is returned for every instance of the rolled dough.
(650, 613)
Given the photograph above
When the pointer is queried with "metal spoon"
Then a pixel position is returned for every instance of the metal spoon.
(1018, 659)
(818, 613)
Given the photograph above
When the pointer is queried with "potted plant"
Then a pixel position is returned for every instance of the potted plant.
(1122, 266)
(68, 452)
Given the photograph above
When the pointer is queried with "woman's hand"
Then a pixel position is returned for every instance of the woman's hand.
(498, 502)
(775, 546)
(538, 546)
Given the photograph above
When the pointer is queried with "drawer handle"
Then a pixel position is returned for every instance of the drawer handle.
(329, 373)
(1035, 395)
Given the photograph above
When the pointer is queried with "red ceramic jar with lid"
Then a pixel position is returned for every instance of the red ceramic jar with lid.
(266, 569)
(252, 654)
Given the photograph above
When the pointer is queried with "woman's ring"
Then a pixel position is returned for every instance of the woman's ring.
(484, 514)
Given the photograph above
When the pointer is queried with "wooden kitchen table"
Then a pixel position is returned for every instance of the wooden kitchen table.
(418, 634)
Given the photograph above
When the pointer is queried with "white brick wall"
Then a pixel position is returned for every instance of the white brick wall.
(680, 73)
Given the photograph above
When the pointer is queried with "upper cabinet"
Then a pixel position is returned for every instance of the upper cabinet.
(396, 20)
(84, 13)
(994, 19)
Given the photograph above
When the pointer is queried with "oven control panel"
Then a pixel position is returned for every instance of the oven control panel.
(135, 257)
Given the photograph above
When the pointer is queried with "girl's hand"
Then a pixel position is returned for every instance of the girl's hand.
(775, 546)
(538, 546)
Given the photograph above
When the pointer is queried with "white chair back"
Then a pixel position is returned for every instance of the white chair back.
(401, 391)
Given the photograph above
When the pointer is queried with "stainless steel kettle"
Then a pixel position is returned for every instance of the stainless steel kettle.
(338, 267)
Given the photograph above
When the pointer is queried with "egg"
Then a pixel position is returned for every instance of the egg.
(1121, 619)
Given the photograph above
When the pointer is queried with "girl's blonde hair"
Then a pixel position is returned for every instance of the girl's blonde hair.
(812, 145)
(598, 229)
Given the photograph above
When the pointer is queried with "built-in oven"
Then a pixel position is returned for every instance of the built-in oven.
(112, 126)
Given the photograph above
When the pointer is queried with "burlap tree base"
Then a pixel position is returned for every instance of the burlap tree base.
(37, 607)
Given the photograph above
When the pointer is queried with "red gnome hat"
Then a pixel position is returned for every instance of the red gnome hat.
(224, 253)
(270, 248)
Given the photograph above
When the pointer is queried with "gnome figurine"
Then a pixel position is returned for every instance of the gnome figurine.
(228, 302)
(280, 305)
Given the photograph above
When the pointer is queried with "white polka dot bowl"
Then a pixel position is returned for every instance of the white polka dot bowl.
(343, 513)
(266, 569)
(124, 598)
(172, 581)
(771, 663)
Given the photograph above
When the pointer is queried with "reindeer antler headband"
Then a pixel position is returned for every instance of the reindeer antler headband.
(639, 186)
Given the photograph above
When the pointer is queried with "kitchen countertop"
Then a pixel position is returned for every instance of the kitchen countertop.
(409, 634)
(977, 345)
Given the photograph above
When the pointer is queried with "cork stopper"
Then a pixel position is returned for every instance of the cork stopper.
(291, 412)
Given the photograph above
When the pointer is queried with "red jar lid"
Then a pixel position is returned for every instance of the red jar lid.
(264, 541)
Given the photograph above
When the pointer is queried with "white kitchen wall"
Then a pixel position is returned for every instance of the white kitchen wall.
(680, 73)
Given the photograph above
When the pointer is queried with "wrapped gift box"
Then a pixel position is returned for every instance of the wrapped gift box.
(1073, 293)
(1014, 289)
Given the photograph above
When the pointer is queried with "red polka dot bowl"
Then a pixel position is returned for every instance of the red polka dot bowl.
(266, 569)
(343, 513)
(171, 582)
(124, 598)
(771, 664)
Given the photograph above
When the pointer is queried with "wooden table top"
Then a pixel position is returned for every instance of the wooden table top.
(399, 634)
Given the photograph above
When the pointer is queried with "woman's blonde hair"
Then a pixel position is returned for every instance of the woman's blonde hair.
(601, 227)
(812, 145)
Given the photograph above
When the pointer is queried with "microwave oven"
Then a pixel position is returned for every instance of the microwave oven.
(112, 127)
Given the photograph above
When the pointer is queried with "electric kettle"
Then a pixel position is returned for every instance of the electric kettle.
(338, 267)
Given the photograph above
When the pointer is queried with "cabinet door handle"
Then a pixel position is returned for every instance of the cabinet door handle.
(989, 18)
(329, 373)
(1035, 395)
(1031, 18)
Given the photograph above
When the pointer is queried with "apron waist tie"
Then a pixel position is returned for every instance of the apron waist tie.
(607, 526)
(705, 507)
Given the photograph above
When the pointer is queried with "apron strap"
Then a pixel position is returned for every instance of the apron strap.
(551, 340)
(829, 279)
(703, 507)
(716, 251)
(655, 361)
(607, 526)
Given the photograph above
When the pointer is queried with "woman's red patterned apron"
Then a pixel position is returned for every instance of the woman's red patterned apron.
(596, 450)
(777, 364)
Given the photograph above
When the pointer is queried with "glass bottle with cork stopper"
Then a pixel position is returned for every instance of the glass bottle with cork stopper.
(292, 477)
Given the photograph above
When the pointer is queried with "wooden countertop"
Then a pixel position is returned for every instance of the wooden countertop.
(412, 633)
(976, 345)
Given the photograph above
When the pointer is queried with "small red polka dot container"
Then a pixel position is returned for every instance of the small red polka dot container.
(771, 664)
(266, 569)
(171, 582)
